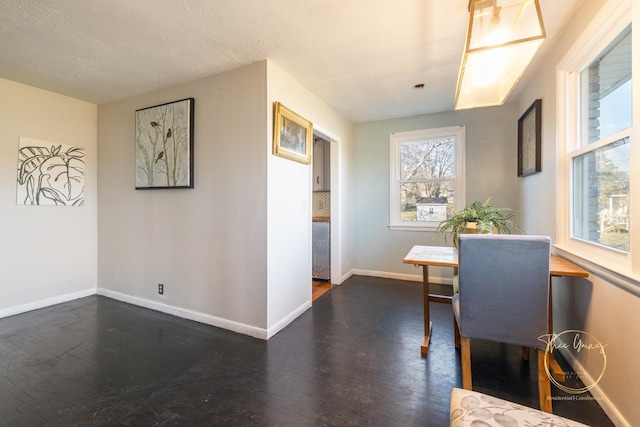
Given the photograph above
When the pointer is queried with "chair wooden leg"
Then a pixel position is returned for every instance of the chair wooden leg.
(456, 332)
(544, 384)
(465, 357)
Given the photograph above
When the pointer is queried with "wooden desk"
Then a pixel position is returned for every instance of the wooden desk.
(448, 257)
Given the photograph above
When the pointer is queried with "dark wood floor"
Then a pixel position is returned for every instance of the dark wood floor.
(351, 360)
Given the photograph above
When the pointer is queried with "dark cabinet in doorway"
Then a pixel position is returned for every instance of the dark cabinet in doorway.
(321, 165)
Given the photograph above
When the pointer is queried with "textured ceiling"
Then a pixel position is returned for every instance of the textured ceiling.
(362, 57)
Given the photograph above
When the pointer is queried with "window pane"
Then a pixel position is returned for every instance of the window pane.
(426, 201)
(606, 91)
(426, 169)
(601, 195)
(429, 159)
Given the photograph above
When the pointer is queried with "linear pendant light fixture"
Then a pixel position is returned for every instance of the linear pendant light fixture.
(502, 38)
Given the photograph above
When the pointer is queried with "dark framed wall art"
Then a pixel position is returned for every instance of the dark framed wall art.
(529, 140)
(164, 145)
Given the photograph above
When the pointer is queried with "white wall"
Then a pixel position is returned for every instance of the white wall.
(602, 305)
(491, 151)
(47, 253)
(290, 206)
(207, 245)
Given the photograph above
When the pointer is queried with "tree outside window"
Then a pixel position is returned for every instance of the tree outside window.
(425, 181)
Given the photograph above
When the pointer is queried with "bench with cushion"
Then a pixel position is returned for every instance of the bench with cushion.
(471, 408)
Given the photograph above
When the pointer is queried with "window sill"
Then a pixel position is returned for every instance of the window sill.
(621, 277)
(411, 227)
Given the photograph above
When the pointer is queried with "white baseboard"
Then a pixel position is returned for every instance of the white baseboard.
(344, 278)
(196, 316)
(280, 325)
(605, 403)
(401, 276)
(46, 302)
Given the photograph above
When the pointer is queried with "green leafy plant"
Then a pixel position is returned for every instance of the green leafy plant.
(487, 218)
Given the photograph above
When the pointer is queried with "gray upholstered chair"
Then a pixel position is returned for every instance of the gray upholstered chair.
(504, 297)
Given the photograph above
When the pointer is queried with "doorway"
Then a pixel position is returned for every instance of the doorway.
(322, 244)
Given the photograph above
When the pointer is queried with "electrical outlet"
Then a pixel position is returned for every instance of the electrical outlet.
(320, 205)
(160, 288)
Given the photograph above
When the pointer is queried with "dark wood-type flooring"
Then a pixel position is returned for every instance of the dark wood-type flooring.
(351, 360)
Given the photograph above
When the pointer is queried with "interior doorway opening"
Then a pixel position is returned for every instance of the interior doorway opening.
(325, 251)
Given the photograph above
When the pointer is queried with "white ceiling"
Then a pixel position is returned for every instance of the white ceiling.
(362, 57)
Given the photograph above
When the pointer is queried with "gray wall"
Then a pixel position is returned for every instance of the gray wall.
(491, 150)
(235, 251)
(207, 245)
(606, 304)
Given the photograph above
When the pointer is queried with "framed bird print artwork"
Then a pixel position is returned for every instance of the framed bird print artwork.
(164, 145)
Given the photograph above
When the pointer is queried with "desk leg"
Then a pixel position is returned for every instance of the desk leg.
(556, 370)
(424, 348)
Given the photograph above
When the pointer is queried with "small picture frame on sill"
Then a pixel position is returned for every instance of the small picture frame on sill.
(529, 140)
(292, 135)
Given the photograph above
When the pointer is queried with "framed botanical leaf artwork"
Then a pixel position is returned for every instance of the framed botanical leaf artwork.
(50, 173)
(164, 145)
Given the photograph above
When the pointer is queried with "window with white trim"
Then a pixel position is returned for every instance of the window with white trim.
(427, 177)
(600, 162)
(595, 104)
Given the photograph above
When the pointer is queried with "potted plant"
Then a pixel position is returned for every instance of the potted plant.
(482, 217)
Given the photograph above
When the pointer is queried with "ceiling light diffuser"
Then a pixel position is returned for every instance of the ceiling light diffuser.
(502, 38)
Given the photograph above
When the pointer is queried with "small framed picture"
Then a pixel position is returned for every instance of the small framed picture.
(529, 140)
(164, 146)
(292, 135)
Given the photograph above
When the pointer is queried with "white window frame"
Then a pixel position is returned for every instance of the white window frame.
(395, 140)
(610, 22)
